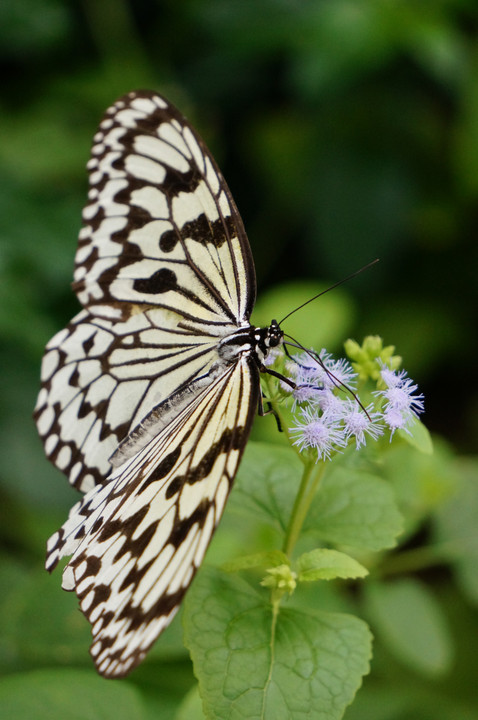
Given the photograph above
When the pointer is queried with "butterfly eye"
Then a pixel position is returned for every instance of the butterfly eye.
(275, 339)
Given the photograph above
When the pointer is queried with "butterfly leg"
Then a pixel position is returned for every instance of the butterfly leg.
(270, 411)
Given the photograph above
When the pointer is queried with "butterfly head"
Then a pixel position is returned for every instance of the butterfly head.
(274, 335)
(267, 338)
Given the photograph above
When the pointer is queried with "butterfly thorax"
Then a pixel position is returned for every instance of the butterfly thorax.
(250, 340)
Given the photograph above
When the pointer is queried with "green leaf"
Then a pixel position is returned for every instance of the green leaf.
(351, 507)
(310, 665)
(418, 436)
(325, 564)
(355, 508)
(271, 558)
(411, 621)
(456, 527)
(72, 694)
(266, 484)
(421, 482)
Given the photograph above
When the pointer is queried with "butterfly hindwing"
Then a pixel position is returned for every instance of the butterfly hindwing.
(137, 542)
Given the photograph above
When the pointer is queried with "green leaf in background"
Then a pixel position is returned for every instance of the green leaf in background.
(421, 482)
(325, 564)
(27, 26)
(409, 619)
(309, 666)
(355, 508)
(418, 437)
(456, 527)
(62, 694)
(392, 702)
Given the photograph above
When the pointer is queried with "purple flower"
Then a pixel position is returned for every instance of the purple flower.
(272, 356)
(330, 403)
(401, 404)
(319, 370)
(340, 372)
(320, 431)
(327, 420)
(305, 393)
(358, 423)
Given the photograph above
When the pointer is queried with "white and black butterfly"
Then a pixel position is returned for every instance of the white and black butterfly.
(149, 394)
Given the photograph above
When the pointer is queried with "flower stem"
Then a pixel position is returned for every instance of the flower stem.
(311, 477)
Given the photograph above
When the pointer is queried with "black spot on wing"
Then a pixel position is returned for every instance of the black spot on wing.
(231, 439)
(102, 594)
(175, 182)
(161, 281)
(93, 565)
(174, 486)
(168, 241)
(201, 231)
(81, 533)
(164, 467)
(181, 528)
(204, 231)
(164, 280)
(163, 607)
(135, 575)
(96, 525)
(124, 527)
(88, 344)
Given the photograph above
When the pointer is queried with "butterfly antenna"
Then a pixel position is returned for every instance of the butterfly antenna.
(339, 282)
(315, 356)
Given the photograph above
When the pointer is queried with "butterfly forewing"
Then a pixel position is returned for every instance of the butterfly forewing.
(161, 226)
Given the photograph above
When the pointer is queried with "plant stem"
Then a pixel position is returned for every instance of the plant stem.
(312, 475)
(310, 479)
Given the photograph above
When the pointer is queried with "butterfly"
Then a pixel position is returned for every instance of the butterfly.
(149, 394)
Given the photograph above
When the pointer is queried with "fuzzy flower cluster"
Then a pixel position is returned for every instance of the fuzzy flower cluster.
(328, 412)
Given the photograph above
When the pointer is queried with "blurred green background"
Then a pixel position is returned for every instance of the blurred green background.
(347, 130)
